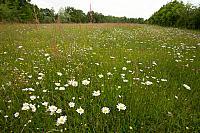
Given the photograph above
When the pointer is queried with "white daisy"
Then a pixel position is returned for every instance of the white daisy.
(121, 106)
(25, 106)
(86, 82)
(80, 111)
(124, 68)
(33, 108)
(59, 73)
(62, 88)
(32, 97)
(148, 83)
(57, 84)
(61, 120)
(105, 110)
(100, 76)
(73, 83)
(187, 87)
(58, 111)
(71, 104)
(52, 109)
(45, 104)
(96, 93)
(16, 114)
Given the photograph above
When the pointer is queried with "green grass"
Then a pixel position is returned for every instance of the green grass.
(85, 51)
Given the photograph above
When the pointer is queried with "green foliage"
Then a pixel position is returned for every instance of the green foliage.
(46, 16)
(16, 11)
(64, 16)
(23, 11)
(176, 14)
(72, 15)
(96, 17)
(8, 11)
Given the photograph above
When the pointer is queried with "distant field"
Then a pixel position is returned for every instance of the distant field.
(99, 78)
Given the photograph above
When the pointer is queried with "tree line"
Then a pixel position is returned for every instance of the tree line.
(177, 14)
(71, 14)
(174, 14)
(23, 11)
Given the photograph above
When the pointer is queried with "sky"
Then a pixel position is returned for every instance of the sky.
(119, 8)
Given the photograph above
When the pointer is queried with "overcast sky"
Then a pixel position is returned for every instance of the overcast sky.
(120, 8)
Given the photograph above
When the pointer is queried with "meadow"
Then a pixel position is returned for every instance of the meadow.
(87, 78)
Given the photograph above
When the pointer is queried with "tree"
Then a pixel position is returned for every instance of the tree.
(176, 14)
(71, 14)
(16, 10)
(23, 11)
(46, 15)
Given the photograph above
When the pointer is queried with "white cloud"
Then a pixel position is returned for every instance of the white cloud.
(128, 8)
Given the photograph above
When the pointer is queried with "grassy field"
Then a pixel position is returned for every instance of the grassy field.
(99, 78)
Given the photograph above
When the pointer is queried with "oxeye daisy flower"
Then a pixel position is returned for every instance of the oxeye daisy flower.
(59, 73)
(80, 111)
(61, 120)
(41, 74)
(164, 80)
(16, 114)
(86, 82)
(30, 76)
(97, 64)
(71, 104)
(49, 58)
(61, 88)
(186, 87)
(25, 106)
(33, 108)
(57, 84)
(46, 54)
(100, 76)
(58, 111)
(148, 83)
(109, 73)
(121, 106)
(32, 97)
(105, 110)
(45, 104)
(96, 93)
(52, 109)
(20, 47)
(124, 68)
(112, 57)
(128, 61)
(28, 89)
(73, 83)
(125, 80)
(40, 78)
